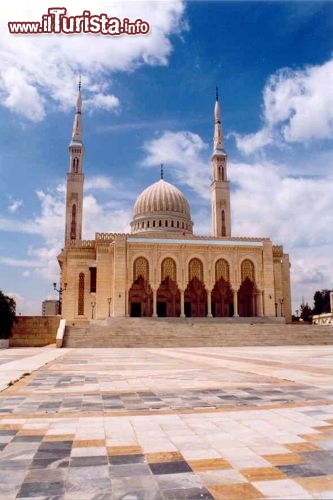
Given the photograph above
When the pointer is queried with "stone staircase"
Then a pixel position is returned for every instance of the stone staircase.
(176, 332)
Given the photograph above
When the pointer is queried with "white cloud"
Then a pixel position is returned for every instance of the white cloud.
(250, 143)
(38, 67)
(266, 202)
(103, 101)
(13, 262)
(14, 205)
(98, 182)
(297, 107)
(293, 211)
(185, 155)
(49, 224)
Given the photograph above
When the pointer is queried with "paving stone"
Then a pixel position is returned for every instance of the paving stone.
(157, 424)
(187, 494)
(170, 467)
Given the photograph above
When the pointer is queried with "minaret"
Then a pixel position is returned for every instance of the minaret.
(220, 185)
(75, 177)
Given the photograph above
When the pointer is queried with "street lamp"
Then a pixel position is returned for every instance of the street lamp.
(92, 309)
(59, 290)
(276, 304)
(281, 305)
(109, 301)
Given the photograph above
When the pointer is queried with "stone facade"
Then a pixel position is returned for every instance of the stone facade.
(162, 268)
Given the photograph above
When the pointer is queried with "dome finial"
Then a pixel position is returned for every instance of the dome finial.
(162, 172)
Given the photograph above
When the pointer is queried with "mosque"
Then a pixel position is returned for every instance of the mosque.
(162, 269)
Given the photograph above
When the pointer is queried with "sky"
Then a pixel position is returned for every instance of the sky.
(149, 99)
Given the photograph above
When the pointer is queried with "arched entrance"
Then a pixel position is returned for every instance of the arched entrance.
(222, 299)
(140, 295)
(195, 297)
(247, 293)
(168, 294)
(222, 295)
(168, 299)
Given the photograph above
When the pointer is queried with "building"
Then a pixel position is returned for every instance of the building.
(161, 268)
(50, 307)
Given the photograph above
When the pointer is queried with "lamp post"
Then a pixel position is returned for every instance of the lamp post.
(92, 309)
(281, 305)
(276, 304)
(59, 290)
(109, 301)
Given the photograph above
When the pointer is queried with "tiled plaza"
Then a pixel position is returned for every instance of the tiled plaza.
(162, 424)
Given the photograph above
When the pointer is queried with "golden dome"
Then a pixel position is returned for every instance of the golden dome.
(161, 207)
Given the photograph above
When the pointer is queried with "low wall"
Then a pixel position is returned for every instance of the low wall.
(323, 319)
(34, 331)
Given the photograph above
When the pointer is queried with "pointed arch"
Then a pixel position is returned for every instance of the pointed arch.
(222, 295)
(141, 268)
(75, 165)
(195, 269)
(248, 293)
(222, 270)
(195, 298)
(168, 294)
(140, 296)
(168, 269)
(247, 270)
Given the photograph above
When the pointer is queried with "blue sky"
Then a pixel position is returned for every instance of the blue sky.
(150, 98)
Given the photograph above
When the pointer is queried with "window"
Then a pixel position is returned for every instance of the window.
(93, 279)
(81, 295)
(223, 229)
(75, 165)
(73, 223)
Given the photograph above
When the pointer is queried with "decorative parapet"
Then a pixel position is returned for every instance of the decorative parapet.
(277, 251)
(81, 244)
(323, 319)
(108, 237)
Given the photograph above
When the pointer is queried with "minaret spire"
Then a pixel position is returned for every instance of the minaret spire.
(218, 137)
(75, 177)
(221, 218)
(77, 124)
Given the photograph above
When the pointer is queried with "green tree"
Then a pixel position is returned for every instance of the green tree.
(7, 315)
(306, 312)
(321, 302)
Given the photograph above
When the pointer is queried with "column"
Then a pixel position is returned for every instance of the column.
(209, 304)
(236, 304)
(182, 307)
(154, 303)
(261, 303)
